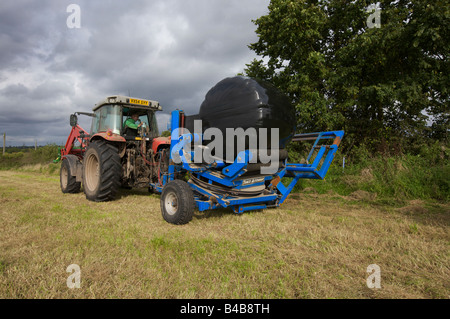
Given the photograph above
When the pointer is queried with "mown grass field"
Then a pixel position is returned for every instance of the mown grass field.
(314, 246)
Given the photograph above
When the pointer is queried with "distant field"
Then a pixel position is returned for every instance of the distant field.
(315, 246)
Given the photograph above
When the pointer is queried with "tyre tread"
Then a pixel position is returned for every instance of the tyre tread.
(186, 202)
(110, 172)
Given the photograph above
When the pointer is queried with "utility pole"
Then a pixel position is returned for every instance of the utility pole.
(35, 144)
(4, 143)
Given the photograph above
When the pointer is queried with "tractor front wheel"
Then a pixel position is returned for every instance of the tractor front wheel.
(177, 202)
(68, 182)
(101, 171)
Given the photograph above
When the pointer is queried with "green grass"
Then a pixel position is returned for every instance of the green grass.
(390, 211)
(314, 246)
(400, 178)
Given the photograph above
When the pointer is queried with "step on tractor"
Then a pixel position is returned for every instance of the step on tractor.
(123, 150)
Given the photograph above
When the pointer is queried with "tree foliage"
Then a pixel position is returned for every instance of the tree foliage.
(384, 86)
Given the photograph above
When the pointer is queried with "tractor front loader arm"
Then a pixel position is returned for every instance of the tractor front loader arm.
(76, 134)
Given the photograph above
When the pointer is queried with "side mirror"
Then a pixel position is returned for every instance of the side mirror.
(73, 120)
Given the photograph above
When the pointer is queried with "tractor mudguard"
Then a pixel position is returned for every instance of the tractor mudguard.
(121, 141)
(106, 137)
(158, 141)
(76, 168)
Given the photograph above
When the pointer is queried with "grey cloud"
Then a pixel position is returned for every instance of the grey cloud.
(172, 51)
(14, 89)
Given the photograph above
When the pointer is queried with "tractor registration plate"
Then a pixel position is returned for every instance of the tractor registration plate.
(140, 102)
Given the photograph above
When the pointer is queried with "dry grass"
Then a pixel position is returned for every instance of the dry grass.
(315, 246)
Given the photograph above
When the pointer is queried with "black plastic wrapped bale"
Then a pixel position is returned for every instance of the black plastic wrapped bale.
(243, 102)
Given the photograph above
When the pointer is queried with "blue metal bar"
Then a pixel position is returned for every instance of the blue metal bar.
(319, 156)
(240, 163)
(223, 201)
(327, 162)
(179, 153)
(285, 191)
(175, 127)
(312, 149)
(242, 208)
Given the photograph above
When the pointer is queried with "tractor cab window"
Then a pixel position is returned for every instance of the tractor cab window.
(153, 125)
(108, 117)
(150, 127)
(143, 119)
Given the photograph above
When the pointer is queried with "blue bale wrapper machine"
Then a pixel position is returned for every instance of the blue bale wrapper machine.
(239, 184)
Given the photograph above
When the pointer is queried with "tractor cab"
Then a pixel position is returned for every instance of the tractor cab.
(113, 113)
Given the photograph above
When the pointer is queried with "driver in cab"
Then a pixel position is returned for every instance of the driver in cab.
(130, 126)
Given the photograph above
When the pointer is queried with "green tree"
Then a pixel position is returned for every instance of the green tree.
(382, 85)
(165, 133)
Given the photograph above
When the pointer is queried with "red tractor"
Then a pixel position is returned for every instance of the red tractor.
(114, 155)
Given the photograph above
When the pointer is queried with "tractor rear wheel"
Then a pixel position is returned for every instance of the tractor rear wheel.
(101, 171)
(177, 202)
(68, 182)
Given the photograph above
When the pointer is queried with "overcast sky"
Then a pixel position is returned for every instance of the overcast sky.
(172, 51)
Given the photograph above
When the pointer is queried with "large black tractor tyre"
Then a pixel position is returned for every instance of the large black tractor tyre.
(101, 171)
(177, 202)
(68, 181)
